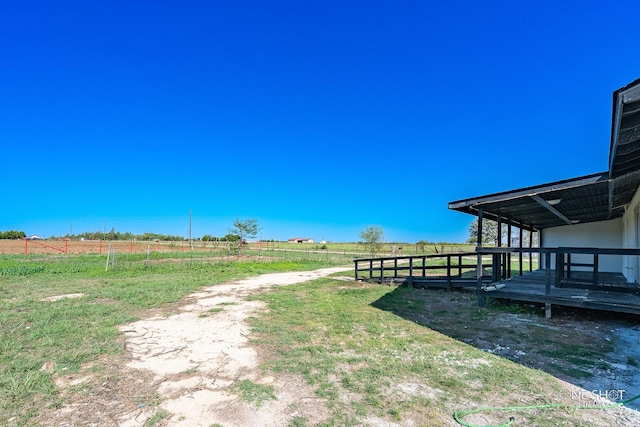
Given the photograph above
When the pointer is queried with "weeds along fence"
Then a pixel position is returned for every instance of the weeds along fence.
(345, 250)
(118, 255)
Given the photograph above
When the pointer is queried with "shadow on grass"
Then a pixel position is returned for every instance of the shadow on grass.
(591, 349)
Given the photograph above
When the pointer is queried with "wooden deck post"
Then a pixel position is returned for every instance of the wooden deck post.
(410, 272)
(547, 283)
(448, 273)
(479, 291)
(520, 253)
(559, 269)
(595, 269)
(509, 245)
(531, 253)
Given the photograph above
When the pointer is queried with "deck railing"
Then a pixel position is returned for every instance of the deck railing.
(562, 265)
(561, 260)
(443, 267)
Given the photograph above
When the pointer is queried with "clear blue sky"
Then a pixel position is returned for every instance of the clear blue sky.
(315, 118)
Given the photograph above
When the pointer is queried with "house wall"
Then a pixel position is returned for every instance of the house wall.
(631, 238)
(601, 234)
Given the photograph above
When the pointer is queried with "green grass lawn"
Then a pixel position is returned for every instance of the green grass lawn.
(345, 339)
(72, 332)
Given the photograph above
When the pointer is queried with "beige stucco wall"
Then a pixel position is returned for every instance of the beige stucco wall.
(602, 234)
(631, 238)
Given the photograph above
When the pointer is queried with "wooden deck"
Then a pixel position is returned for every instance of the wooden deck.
(613, 293)
(572, 285)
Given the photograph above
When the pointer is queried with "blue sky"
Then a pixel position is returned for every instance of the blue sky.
(315, 118)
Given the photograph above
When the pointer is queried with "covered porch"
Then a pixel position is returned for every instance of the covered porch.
(587, 228)
(560, 282)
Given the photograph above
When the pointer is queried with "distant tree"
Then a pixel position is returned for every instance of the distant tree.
(12, 234)
(372, 237)
(244, 229)
(489, 231)
(421, 246)
(230, 238)
(206, 238)
(247, 228)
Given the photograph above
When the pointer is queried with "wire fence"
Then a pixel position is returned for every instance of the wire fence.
(306, 250)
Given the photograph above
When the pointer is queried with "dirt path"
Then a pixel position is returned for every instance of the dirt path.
(182, 369)
(197, 354)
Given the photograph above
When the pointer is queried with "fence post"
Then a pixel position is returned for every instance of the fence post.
(130, 246)
(66, 246)
(411, 272)
(106, 268)
(26, 246)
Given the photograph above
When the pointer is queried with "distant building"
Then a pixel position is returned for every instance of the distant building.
(300, 240)
(34, 237)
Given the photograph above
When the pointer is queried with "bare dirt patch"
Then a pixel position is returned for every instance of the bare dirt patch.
(59, 297)
(180, 369)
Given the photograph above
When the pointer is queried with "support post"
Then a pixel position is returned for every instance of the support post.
(547, 310)
(502, 266)
(448, 273)
(410, 272)
(595, 269)
(509, 245)
(547, 278)
(531, 253)
(479, 291)
(520, 247)
(547, 283)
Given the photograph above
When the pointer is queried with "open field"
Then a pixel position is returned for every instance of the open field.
(166, 342)
(354, 250)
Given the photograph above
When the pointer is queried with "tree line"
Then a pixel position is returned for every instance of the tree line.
(117, 235)
(12, 234)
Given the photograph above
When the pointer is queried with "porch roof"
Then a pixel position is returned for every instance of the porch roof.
(579, 200)
(584, 199)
